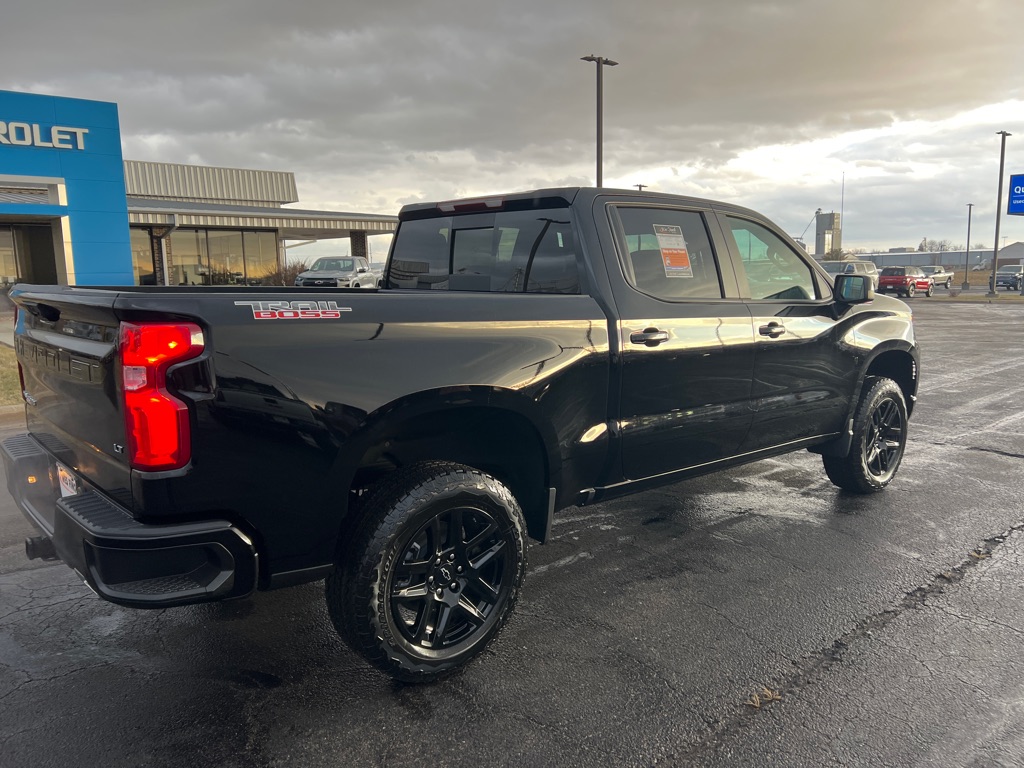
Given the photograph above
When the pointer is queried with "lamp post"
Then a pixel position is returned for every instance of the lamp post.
(601, 63)
(999, 209)
(967, 256)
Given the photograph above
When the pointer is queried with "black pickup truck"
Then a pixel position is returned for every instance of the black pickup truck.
(526, 353)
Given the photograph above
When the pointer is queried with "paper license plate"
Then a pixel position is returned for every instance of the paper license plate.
(68, 484)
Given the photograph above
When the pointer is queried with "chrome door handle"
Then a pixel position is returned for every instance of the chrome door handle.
(772, 330)
(652, 337)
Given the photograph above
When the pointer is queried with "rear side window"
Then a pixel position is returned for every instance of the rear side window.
(505, 252)
(669, 253)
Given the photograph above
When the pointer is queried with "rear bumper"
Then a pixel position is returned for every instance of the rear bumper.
(122, 560)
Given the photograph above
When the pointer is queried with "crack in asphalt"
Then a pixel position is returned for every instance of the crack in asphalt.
(813, 665)
(997, 452)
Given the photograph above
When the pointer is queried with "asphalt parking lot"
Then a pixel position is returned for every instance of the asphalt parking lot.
(757, 616)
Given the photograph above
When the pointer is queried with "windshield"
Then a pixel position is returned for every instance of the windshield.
(332, 265)
(834, 267)
(931, 270)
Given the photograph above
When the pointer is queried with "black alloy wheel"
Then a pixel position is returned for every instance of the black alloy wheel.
(432, 572)
(879, 439)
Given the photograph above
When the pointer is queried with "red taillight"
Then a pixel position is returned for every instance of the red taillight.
(157, 422)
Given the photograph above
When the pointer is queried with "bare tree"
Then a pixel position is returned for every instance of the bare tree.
(286, 274)
(936, 246)
(836, 254)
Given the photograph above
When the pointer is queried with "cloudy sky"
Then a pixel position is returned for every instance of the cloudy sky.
(373, 105)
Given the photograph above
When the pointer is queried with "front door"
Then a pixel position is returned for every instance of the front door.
(803, 373)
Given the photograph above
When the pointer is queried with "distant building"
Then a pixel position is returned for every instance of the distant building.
(976, 258)
(828, 233)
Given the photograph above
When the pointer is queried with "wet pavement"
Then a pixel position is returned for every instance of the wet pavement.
(754, 616)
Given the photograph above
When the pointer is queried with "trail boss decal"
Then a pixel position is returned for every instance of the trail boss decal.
(294, 310)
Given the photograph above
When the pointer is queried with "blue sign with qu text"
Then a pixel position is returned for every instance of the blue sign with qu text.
(1015, 204)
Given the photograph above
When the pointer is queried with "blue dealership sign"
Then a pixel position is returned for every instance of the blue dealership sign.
(1015, 205)
(71, 149)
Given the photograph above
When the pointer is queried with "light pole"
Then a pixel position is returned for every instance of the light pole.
(967, 256)
(601, 63)
(999, 209)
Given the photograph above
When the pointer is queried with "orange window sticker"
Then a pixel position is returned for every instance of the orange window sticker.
(674, 255)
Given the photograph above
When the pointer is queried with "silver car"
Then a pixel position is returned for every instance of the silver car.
(338, 272)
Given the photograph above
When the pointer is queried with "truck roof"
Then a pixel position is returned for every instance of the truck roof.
(555, 197)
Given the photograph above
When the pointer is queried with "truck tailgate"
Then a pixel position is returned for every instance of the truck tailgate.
(66, 343)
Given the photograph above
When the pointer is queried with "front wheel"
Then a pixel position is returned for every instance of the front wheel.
(879, 439)
(432, 571)
(949, 283)
(930, 291)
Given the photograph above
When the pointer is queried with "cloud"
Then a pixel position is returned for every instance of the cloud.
(372, 105)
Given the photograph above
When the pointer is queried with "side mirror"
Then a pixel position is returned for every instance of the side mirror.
(853, 289)
(361, 269)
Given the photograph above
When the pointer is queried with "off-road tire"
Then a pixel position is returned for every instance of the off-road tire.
(879, 440)
(379, 597)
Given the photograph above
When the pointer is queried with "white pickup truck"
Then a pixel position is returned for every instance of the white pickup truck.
(339, 272)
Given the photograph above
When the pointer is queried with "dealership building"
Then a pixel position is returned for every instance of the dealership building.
(74, 212)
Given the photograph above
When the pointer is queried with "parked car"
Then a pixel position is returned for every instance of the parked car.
(905, 281)
(939, 275)
(853, 268)
(1010, 277)
(528, 352)
(338, 272)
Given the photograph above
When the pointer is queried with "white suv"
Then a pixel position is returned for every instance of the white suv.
(853, 267)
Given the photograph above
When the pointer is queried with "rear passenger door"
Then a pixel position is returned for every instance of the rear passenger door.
(803, 375)
(685, 336)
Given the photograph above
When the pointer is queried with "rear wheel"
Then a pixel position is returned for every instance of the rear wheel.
(879, 439)
(432, 572)
(911, 289)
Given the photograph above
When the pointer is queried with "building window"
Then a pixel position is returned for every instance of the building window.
(188, 254)
(222, 257)
(260, 256)
(8, 262)
(227, 261)
(142, 256)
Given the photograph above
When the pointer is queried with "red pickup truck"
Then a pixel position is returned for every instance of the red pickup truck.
(905, 281)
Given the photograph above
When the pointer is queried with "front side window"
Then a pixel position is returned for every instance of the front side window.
(669, 254)
(773, 270)
(506, 252)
